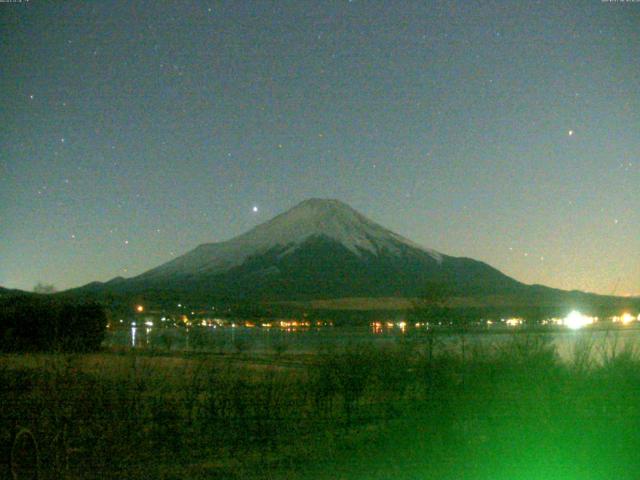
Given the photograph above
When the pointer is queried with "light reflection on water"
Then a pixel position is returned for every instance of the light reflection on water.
(312, 340)
(133, 336)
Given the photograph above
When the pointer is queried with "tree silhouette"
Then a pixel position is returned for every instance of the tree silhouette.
(44, 288)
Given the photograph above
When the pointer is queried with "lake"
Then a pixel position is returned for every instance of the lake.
(241, 339)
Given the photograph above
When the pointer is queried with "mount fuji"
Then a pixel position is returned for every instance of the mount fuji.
(318, 249)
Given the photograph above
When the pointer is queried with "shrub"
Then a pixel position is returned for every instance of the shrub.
(34, 323)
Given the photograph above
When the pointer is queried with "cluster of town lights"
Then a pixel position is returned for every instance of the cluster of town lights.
(574, 321)
(625, 319)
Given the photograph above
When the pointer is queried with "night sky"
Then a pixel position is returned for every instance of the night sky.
(508, 132)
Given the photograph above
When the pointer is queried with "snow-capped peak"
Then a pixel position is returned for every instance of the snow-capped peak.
(311, 218)
(330, 218)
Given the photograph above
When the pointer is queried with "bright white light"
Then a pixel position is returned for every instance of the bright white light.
(149, 323)
(255, 209)
(575, 320)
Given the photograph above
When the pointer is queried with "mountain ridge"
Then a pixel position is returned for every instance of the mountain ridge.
(320, 248)
(324, 250)
(321, 251)
(313, 217)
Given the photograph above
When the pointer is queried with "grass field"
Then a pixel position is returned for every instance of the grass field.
(358, 412)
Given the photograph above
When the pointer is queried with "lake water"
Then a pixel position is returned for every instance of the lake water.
(313, 340)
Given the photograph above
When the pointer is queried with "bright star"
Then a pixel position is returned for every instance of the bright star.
(571, 133)
(255, 209)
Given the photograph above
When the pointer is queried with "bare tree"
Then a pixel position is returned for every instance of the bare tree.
(431, 308)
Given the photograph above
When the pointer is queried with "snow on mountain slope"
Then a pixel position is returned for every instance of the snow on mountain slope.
(312, 218)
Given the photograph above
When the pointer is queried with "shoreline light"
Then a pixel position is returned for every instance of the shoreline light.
(576, 320)
(625, 319)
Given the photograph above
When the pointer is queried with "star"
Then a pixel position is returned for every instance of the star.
(31, 96)
(255, 209)
(571, 133)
